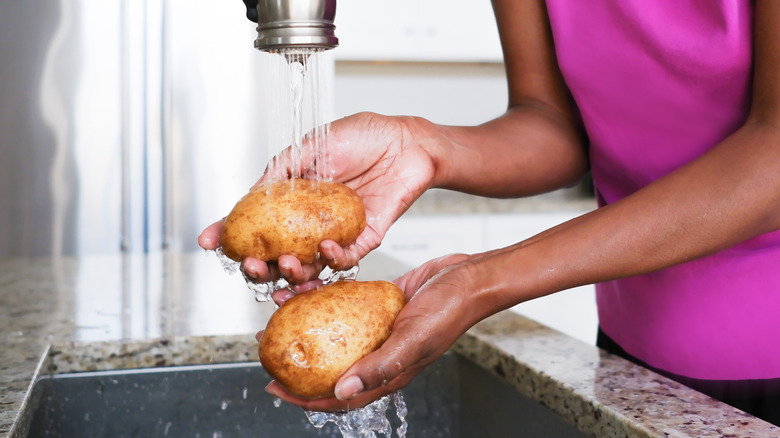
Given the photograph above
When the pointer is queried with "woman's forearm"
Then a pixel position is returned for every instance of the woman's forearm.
(727, 196)
(531, 149)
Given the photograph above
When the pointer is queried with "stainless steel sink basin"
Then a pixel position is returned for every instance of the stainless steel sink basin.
(452, 398)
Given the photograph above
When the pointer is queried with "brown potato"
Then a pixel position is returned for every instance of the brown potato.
(316, 335)
(292, 217)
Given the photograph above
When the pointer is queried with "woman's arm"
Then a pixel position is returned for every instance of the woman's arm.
(538, 145)
(726, 196)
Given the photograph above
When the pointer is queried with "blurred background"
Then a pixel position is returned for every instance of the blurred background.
(130, 125)
(127, 126)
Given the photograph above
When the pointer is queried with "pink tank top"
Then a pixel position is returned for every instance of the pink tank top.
(658, 83)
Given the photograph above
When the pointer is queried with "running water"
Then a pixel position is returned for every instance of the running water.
(365, 422)
(304, 100)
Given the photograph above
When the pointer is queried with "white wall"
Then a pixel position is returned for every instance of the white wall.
(454, 94)
(439, 59)
(417, 30)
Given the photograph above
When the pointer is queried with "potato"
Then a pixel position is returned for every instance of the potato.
(292, 217)
(315, 336)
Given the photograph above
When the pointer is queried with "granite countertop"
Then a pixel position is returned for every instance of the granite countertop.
(113, 312)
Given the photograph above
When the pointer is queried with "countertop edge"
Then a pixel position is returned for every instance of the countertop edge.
(21, 422)
(599, 393)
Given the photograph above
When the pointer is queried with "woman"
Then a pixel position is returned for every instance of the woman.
(675, 108)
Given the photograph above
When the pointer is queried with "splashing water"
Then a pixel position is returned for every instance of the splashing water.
(401, 411)
(263, 290)
(367, 421)
(228, 265)
(330, 276)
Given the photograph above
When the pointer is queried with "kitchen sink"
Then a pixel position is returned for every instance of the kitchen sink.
(451, 398)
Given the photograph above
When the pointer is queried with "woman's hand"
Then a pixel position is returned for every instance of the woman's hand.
(438, 312)
(382, 158)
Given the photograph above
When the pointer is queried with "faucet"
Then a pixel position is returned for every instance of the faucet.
(297, 26)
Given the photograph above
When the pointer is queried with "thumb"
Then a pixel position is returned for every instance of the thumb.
(425, 328)
(349, 387)
(404, 355)
(371, 372)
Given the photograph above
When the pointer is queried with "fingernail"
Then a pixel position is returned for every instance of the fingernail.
(348, 388)
(248, 272)
(283, 295)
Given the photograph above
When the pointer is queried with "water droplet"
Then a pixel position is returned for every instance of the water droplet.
(401, 411)
(366, 421)
(277, 402)
(244, 393)
(225, 404)
(228, 265)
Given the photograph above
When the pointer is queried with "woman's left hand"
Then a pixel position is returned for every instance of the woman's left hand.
(438, 311)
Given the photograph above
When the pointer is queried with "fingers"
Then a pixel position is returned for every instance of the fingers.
(258, 270)
(282, 295)
(301, 277)
(297, 273)
(287, 267)
(335, 256)
(309, 285)
(209, 238)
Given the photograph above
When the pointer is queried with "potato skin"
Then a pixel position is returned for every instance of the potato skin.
(315, 336)
(291, 217)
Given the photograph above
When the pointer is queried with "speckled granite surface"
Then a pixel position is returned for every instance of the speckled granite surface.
(114, 312)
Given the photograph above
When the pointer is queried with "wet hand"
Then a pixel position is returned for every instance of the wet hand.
(381, 159)
(435, 316)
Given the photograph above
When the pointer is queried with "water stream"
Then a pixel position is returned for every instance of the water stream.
(302, 110)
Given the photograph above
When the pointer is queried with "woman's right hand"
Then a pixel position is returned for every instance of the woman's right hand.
(382, 158)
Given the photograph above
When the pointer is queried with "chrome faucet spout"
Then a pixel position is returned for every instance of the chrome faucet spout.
(293, 25)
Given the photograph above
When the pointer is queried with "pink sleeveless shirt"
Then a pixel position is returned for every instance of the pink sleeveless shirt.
(658, 83)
